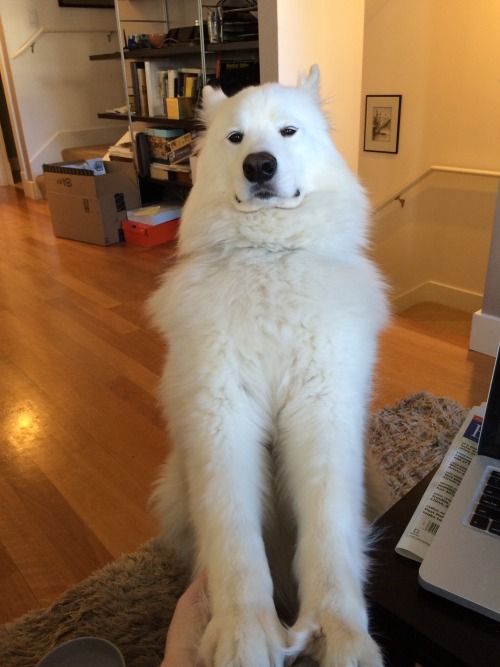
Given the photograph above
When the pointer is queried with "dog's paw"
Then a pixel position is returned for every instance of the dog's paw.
(338, 644)
(244, 639)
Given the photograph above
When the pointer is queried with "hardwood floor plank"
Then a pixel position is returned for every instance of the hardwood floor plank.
(21, 597)
(49, 554)
(96, 296)
(106, 497)
(411, 361)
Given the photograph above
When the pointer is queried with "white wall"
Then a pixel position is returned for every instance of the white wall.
(330, 34)
(436, 247)
(59, 90)
(444, 58)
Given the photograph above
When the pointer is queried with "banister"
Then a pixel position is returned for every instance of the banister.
(31, 41)
(428, 172)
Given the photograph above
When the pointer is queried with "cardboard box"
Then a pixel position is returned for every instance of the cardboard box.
(150, 235)
(90, 208)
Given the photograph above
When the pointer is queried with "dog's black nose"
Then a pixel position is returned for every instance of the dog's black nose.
(259, 167)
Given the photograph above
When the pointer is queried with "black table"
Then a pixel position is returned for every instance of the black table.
(412, 624)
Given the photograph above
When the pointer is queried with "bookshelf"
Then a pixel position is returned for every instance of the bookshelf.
(190, 54)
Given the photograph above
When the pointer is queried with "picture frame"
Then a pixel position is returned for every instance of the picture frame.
(92, 4)
(382, 120)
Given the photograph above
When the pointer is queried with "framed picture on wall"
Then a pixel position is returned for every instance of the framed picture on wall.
(382, 117)
(94, 4)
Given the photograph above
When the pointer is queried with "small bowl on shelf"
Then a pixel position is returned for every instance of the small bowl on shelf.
(158, 39)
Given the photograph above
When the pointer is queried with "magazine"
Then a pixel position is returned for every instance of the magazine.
(429, 514)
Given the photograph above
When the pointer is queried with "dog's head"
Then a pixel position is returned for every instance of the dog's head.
(269, 175)
(265, 145)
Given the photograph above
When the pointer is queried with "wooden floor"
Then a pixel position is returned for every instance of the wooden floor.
(80, 436)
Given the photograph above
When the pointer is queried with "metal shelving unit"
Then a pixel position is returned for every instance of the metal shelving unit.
(192, 51)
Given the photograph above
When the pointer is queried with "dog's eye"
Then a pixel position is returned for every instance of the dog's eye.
(288, 131)
(235, 137)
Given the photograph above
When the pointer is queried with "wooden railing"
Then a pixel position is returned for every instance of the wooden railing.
(434, 168)
(31, 41)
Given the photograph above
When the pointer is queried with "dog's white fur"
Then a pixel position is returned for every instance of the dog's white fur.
(271, 317)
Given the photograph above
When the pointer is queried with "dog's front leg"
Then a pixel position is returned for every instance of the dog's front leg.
(225, 471)
(323, 434)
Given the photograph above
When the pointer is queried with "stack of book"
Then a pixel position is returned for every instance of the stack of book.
(161, 90)
(170, 155)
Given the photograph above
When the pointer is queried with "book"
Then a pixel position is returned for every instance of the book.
(143, 91)
(178, 173)
(169, 133)
(153, 86)
(177, 168)
(163, 83)
(178, 108)
(183, 140)
(124, 150)
(190, 88)
(233, 75)
(172, 84)
(189, 79)
(180, 154)
(156, 214)
(136, 86)
(429, 514)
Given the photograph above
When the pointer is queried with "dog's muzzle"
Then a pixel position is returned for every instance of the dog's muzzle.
(259, 170)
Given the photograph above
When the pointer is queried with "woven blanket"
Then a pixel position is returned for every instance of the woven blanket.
(130, 602)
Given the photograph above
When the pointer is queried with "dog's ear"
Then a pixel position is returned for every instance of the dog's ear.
(310, 82)
(212, 97)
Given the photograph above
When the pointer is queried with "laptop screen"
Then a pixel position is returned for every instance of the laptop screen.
(489, 440)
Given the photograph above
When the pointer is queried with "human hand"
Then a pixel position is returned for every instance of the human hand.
(188, 623)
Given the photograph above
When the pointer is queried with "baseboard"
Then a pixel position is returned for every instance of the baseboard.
(485, 333)
(436, 292)
(31, 189)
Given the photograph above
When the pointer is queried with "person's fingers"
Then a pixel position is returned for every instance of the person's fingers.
(188, 623)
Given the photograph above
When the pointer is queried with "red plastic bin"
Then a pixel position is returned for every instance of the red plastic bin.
(150, 235)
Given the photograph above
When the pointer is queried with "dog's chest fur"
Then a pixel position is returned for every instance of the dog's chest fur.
(272, 319)
(258, 299)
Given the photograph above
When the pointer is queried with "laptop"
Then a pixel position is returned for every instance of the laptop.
(463, 560)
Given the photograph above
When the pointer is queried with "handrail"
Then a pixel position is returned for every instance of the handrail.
(31, 41)
(428, 172)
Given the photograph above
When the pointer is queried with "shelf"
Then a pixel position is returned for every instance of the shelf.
(179, 50)
(221, 47)
(186, 49)
(186, 123)
(106, 56)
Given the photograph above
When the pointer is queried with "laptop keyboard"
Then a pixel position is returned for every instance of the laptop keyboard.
(486, 515)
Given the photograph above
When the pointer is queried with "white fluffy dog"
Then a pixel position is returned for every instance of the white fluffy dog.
(271, 316)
